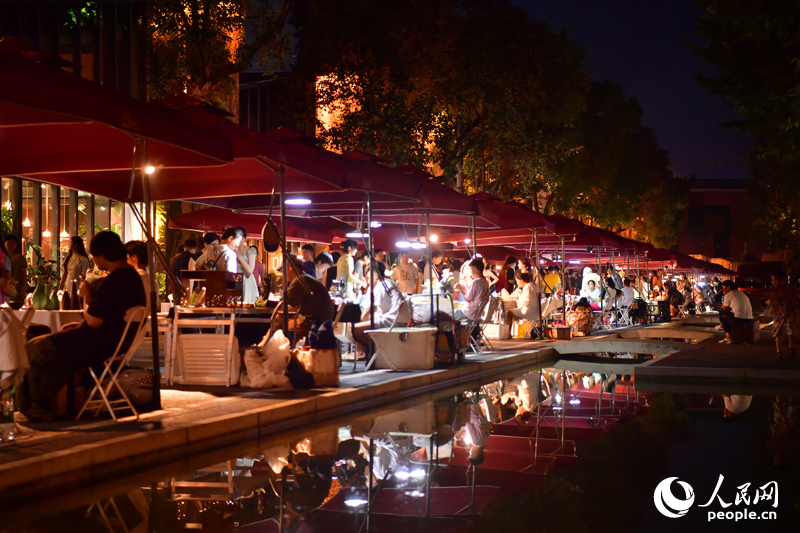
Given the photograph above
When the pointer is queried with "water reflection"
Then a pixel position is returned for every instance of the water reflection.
(505, 454)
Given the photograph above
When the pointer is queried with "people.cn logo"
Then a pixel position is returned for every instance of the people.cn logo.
(667, 504)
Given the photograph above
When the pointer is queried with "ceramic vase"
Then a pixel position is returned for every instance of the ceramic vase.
(40, 297)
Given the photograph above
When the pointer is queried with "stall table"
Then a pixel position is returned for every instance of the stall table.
(55, 320)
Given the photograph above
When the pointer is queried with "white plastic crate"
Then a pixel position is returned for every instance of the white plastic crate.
(206, 359)
(409, 348)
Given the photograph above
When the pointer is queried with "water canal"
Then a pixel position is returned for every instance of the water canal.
(568, 451)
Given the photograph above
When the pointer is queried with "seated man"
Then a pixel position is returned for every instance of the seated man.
(137, 258)
(308, 297)
(628, 295)
(735, 306)
(390, 303)
(54, 358)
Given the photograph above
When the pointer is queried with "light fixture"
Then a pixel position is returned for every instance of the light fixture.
(299, 256)
(355, 502)
(297, 201)
(46, 233)
(541, 261)
(149, 169)
(467, 240)
(402, 475)
(102, 208)
(418, 473)
(434, 238)
(418, 245)
(357, 235)
(574, 401)
(44, 186)
(64, 234)
(8, 205)
(403, 244)
(375, 224)
(573, 262)
(26, 223)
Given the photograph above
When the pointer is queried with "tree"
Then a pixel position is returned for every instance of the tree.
(621, 178)
(755, 46)
(473, 90)
(197, 47)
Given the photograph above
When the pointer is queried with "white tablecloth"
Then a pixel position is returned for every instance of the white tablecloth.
(13, 358)
(53, 319)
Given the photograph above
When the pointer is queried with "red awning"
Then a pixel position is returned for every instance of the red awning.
(214, 219)
(54, 121)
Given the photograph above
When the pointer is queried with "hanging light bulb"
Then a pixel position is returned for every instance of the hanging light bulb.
(64, 234)
(26, 223)
(434, 237)
(403, 244)
(46, 233)
(375, 224)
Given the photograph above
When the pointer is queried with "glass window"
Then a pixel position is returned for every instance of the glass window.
(27, 210)
(102, 214)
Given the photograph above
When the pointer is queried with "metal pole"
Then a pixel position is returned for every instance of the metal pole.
(369, 485)
(151, 260)
(428, 480)
(564, 403)
(372, 264)
(474, 235)
(285, 277)
(538, 285)
(563, 274)
(430, 257)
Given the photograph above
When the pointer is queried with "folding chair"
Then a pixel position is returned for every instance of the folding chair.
(135, 320)
(624, 316)
(485, 313)
(682, 310)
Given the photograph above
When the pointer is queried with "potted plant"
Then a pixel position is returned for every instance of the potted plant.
(44, 273)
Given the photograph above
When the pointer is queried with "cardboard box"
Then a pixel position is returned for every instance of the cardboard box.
(556, 333)
(497, 331)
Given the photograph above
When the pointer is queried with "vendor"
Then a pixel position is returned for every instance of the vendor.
(308, 297)
(526, 299)
(476, 295)
(54, 358)
(345, 271)
(592, 293)
(391, 306)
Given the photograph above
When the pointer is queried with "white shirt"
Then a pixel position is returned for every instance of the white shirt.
(526, 301)
(227, 262)
(391, 303)
(627, 297)
(739, 304)
(406, 277)
(477, 293)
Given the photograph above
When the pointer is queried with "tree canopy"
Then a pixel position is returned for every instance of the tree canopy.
(755, 46)
(197, 47)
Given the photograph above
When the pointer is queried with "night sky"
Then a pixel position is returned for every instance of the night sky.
(640, 45)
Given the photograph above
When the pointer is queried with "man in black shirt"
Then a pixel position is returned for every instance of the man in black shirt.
(54, 358)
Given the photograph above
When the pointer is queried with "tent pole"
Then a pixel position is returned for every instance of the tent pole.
(474, 235)
(151, 260)
(430, 258)
(284, 245)
(536, 280)
(563, 273)
(371, 262)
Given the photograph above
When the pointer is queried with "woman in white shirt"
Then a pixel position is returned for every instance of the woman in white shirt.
(76, 265)
(390, 303)
(526, 300)
(592, 293)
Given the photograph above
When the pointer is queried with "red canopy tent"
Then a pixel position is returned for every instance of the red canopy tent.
(52, 121)
(320, 230)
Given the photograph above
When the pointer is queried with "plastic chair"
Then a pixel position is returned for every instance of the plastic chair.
(485, 313)
(136, 320)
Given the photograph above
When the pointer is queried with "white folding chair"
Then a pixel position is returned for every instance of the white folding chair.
(624, 316)
(683, 309)
(135, 320)
(27, 318)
